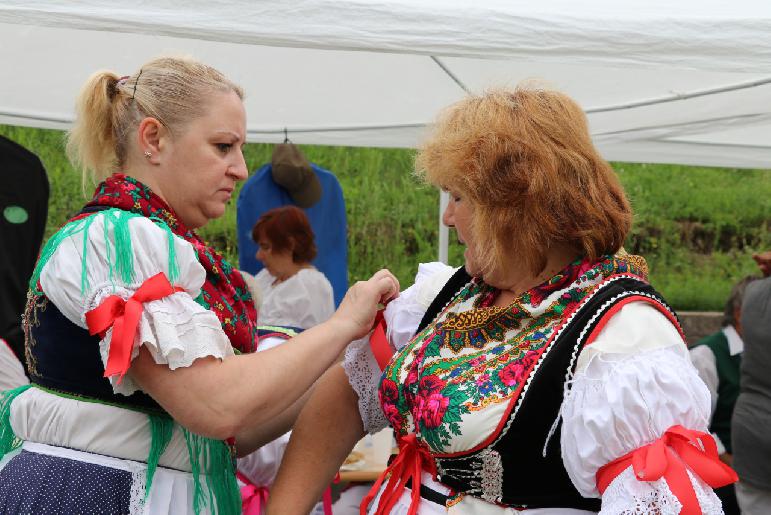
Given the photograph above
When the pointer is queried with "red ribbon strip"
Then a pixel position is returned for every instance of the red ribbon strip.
(667, 457)
(253, 497)
(378, 342)
(413, 458)
(123, 317)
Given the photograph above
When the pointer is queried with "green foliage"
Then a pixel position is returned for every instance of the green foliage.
(696, 226)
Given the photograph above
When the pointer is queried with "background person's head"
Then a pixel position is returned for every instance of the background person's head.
(763, 259)
(285, 240)
(176, 124)
(732, 313)
(524, 164)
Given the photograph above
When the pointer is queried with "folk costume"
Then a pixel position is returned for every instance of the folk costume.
(581, 388)
(83, 438)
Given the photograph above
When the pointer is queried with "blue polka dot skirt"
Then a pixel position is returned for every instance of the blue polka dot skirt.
(39, 484)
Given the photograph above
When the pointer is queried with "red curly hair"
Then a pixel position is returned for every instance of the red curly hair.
(526, 161)
(287, 228)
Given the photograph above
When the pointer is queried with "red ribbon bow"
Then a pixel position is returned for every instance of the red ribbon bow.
(253, 498)
(413, 458)
(123, 317)
(378, 342)
(667, 457)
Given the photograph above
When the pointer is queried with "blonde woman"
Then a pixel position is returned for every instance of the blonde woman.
(138, 401)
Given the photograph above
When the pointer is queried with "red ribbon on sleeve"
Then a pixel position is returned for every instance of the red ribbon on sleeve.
(667, 457)
(123, 316)
(378, 342)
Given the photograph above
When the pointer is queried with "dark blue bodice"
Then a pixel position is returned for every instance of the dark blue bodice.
(63, 357)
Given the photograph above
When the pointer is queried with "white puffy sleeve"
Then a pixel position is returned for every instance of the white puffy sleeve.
(175, 329)
(402, 316)
(631, 384)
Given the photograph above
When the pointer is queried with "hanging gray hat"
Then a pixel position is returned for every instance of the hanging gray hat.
(292, 171)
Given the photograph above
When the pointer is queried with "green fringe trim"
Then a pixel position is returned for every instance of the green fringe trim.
(119, 255)
(8, 440)
(161, 428)
(211, 460)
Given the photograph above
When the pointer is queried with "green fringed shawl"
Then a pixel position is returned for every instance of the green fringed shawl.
(161, 428)
(211, 460)
(8, 440)
(119, 252)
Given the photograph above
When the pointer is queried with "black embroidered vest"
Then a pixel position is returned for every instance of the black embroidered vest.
(515, 469)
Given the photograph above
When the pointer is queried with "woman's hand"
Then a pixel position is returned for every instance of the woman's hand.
(356, 313)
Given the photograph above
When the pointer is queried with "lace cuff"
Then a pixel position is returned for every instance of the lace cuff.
(627, 496)
(175, 329)
(364, 375)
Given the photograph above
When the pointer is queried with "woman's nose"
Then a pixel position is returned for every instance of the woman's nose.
(239, 170)
(448, 217)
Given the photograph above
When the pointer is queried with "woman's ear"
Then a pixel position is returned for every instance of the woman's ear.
(151, 135)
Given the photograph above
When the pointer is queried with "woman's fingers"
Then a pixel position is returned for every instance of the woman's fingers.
(388, 285)
(361, 302)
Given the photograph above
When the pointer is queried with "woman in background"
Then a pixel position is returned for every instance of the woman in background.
(294, 293)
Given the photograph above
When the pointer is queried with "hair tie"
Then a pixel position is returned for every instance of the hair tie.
(135, 84)
(112, 87)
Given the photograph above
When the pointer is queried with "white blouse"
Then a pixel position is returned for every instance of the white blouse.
(304, 300)
(175, 329)
(631, 384)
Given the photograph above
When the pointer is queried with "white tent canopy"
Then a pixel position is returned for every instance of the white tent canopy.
(676, 82)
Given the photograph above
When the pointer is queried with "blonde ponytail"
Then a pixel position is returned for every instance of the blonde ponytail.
(91, 141)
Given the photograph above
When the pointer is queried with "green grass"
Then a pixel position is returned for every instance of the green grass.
(696, 226)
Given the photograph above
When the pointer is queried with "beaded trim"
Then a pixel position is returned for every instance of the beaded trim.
(29, 320)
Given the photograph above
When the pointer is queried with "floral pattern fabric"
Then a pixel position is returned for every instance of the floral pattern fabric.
(224, 292)
(476, 357)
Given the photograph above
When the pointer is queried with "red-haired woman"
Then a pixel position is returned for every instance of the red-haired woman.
(293, 292)
(548, 376)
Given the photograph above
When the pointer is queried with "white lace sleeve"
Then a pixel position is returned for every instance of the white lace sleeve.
(175, 329)
(402, 317)
(635, 383)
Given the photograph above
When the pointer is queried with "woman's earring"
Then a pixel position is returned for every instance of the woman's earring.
(148, 154)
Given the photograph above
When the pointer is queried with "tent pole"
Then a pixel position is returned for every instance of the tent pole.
(444, 231)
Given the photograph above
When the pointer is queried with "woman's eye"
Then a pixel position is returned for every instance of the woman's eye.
(224, 147)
